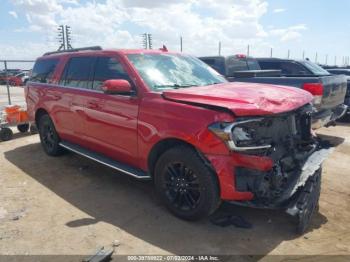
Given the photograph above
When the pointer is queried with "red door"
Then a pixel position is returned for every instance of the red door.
(110, 121)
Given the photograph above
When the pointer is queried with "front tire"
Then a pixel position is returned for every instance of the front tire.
(49, 137)
(185, 184)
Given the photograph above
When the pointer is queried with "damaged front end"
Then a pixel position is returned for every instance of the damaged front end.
(296, 158)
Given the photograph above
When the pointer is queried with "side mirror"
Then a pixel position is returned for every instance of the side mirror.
(116, 86)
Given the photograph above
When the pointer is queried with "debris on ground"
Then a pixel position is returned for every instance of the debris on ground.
(116, 243)
(18, 214)
(101, 255)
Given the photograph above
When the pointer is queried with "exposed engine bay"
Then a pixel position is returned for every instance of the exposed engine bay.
(297, 155)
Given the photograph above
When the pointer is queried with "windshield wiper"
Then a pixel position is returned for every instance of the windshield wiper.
(175, 86)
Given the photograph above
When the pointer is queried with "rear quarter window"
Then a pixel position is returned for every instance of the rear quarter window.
(43, 70)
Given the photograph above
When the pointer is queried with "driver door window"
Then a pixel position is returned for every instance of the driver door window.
(108, 68)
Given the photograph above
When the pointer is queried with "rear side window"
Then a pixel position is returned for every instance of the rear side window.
(235, 64)
(287, 68)
(78, 72)
(253, 64)
(108, 68)
(43, 70)
(265, 65)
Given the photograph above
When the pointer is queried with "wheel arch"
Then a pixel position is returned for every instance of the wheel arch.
(39, 113)
(163, 145)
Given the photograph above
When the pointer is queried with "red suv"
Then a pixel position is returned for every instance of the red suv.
(154, 114)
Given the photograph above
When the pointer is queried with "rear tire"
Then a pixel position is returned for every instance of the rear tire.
(49, 137)
(6, 134)
(185, 184)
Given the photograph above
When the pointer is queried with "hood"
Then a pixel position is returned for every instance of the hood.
(243, 99)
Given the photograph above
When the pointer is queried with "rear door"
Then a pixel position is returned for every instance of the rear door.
(111, 120)
(76, 80)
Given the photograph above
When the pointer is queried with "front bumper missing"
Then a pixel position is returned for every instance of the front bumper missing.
(306, 202)
(301, 197)
(310, 167)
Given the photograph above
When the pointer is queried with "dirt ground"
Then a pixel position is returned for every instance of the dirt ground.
(72, 205)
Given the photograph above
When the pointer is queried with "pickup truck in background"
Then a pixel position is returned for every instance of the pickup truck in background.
(328, 90)
(346, 72)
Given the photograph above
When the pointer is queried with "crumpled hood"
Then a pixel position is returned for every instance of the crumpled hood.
(243, 99)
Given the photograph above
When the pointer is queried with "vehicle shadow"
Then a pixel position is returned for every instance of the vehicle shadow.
(344, 123)
(133, 207)
(333, 141)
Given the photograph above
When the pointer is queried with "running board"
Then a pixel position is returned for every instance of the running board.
(137, 173)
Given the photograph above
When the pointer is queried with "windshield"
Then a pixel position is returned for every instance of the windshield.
(314, 68)
(172, 71)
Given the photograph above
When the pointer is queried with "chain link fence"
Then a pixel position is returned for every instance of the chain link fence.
(13, 73)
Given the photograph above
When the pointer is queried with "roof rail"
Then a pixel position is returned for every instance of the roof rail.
(74, 50)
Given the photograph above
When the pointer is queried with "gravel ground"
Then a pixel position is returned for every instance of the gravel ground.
(72, 205)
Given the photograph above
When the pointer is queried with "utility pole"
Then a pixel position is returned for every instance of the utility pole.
(288, 53)
(316, 58)
(7, 83)
(150, 45)
(68, 37)
(248, 50)
(271, 52)
(335, 60)
(64, 37)
(61, 38)
(326, 59)
(147, 41)
(144, 41)
(303, 55)
(219, 48)
(180, 43)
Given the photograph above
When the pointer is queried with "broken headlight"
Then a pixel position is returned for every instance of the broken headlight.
(243, 135)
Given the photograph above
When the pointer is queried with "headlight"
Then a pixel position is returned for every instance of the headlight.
(243, 135)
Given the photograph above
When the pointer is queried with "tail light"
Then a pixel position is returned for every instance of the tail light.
(316, 89)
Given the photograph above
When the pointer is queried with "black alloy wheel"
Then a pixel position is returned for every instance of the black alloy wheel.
(186, 184)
